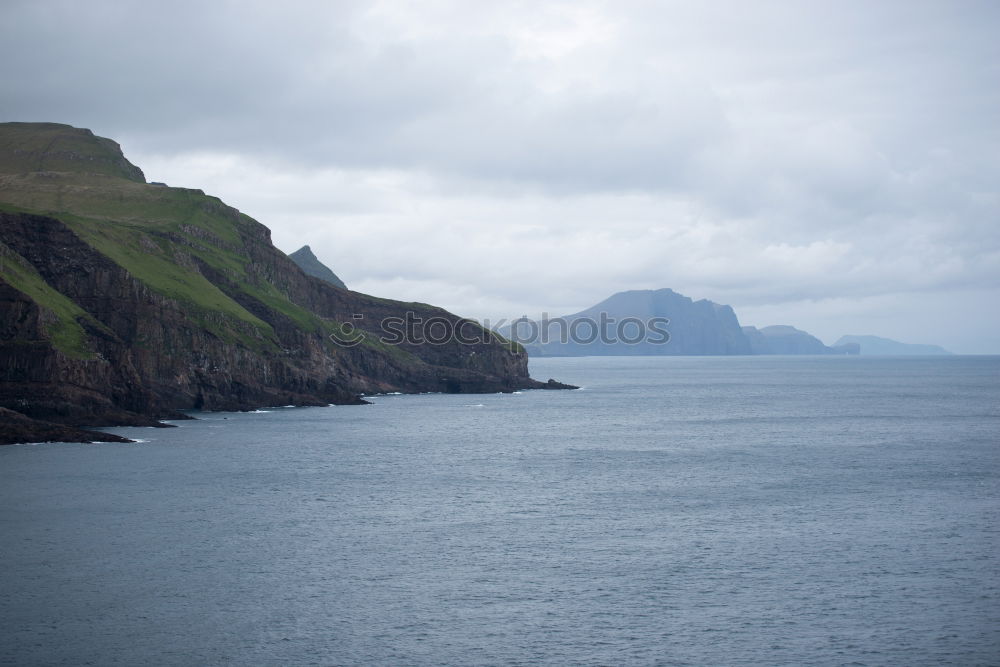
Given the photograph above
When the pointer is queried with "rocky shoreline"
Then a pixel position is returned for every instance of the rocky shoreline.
(17, 429)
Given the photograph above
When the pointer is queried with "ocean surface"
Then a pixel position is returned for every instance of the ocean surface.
(674, 511)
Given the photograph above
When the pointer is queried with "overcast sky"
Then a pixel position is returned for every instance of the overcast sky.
(831, 165)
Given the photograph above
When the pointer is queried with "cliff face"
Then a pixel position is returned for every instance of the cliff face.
(122, 302)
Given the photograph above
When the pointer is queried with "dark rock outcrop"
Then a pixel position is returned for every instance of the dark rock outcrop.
(308, 262)
(16, 428)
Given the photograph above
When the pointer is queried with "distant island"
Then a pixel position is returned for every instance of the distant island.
(700, 327)
(886, 346)
(786, 339)
(695, 328)
(124, 302)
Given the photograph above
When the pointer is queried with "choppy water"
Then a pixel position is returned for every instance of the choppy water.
(703, 511)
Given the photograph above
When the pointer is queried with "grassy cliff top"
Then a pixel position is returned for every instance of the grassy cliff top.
(154, 232)
(48, 147)
(179, 242)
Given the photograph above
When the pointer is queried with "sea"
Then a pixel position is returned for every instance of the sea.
(672, 511)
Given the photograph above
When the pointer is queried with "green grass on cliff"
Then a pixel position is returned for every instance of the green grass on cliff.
(63, 327)
(152, 241)
(154, 261)
(274, 299)
(102, 197)
(148, 230)
(160, 235)
(38, 147)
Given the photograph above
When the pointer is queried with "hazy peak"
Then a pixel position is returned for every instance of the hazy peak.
(311, 265)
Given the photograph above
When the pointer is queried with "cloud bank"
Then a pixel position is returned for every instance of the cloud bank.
(829, 165)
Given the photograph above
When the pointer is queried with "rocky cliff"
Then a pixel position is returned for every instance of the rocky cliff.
(122, 302)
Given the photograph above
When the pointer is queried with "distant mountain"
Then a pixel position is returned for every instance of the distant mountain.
(309, 263)
(661, 322)
(616, 327)
(886, 346)
(785, 339)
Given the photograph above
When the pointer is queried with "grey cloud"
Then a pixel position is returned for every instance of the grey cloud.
(549, 154)
(298, 83)
(276, 85)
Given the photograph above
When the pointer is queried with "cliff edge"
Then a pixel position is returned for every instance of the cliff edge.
(122, 302)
